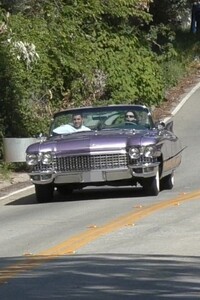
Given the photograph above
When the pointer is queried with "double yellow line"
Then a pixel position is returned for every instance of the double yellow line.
(71, 245)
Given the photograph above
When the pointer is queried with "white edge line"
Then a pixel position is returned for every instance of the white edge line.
(193, 90)
(16, 192)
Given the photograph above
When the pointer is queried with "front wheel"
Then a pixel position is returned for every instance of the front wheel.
(167, 182)
(64, 190)
(152, 185)
(44, 192)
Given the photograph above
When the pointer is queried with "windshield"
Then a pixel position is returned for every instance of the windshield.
(103, 118)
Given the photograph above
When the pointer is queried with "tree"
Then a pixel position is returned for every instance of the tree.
(169, 12)
(60, 53)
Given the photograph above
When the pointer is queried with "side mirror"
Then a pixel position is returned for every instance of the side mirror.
(160, 125)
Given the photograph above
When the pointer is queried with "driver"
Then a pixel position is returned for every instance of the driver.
(131, 117)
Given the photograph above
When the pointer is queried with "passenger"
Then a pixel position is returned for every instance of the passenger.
(78, 122)
(76, 126)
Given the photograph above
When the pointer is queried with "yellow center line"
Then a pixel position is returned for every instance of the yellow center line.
(74, 243)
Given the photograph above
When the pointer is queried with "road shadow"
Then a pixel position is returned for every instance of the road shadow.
(104, 277)
(86, 194)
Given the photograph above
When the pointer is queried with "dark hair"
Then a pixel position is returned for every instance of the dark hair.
(130, 111)
(77, 114)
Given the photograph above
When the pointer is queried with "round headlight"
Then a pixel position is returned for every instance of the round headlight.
(150, 151)
(134, 153)
(47, 158)
(31, 159)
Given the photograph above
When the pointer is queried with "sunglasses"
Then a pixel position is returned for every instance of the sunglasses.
(130, 116)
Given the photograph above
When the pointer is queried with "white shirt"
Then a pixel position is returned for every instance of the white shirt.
(64, 129)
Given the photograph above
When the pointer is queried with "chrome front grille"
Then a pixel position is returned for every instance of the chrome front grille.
(91, 162)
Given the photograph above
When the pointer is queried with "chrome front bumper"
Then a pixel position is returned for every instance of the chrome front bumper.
(142, 171)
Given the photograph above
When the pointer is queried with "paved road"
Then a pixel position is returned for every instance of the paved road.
(110, 243)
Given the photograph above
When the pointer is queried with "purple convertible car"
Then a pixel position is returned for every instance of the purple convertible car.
(115, 145)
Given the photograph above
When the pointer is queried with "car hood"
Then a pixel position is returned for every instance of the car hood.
(93, 141)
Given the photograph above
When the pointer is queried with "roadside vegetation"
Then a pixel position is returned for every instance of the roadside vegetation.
(59, 54)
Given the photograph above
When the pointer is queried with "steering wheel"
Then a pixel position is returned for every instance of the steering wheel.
(130, 123)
